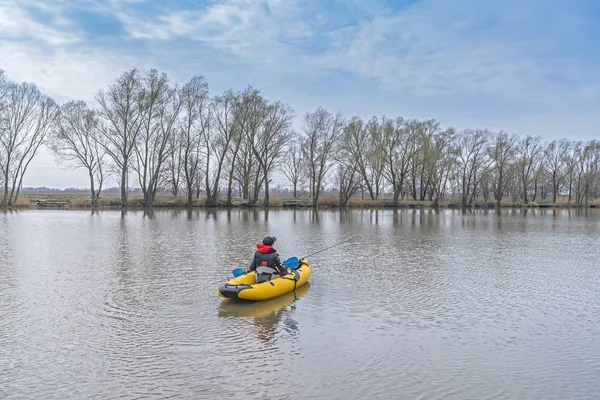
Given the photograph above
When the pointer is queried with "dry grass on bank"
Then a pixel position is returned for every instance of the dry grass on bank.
(22, 201)
(109, 200)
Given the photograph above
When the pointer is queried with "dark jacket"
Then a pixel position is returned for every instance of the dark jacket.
(266, 256)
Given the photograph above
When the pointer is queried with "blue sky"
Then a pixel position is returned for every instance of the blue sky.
(526, 67)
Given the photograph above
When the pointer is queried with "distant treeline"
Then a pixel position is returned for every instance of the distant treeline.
(184, 140)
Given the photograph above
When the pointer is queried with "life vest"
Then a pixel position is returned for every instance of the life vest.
(266, 263)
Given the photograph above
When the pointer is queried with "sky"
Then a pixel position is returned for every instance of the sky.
(528, 67)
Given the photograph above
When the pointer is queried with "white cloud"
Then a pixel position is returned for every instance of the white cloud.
(263, 32)
(429, 48)
(63, 73)
(57, 59)
(466, 62)
(62, 65)
(439, 47)
(15, 23)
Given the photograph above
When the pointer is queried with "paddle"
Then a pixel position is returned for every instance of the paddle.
(238, 272)
(291, 263)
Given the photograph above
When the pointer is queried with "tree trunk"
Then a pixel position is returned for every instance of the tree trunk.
(211, 201)
(266, 202)
(97, 197)
(230, 190)
(230, 179)
(124, 185)
(5, 199)
(396, 196)
(19, 188)
(94, 200)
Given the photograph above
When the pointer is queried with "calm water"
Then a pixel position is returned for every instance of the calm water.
(417, 305)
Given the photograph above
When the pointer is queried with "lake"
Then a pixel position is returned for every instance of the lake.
(416, 304)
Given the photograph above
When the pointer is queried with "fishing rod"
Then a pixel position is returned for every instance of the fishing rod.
(240, 271)
(327, 248)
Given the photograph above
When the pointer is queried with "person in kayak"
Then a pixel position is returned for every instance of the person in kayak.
(266, 261)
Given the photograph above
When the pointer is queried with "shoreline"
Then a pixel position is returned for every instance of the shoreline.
(300, 207)
(135, 202)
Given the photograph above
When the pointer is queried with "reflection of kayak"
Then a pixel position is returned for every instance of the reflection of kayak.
(257, 309)
(244, 286)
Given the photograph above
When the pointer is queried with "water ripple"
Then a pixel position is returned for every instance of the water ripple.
(417, 304)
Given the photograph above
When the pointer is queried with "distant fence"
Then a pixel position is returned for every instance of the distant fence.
(53, 204)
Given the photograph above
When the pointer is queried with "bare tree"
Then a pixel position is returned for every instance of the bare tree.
(249, 173)
(237, 139)
(502, 153)
(160, 106)
(26, 117)
(572, 167)
(588, 170)
(529, 151)
(4, 87)
(556, 153)
(119, 108)
(441, 159)
(3, 90)
(251, 115)
(231, 162)
(421, 161)
(348, 182)
(199, 182)
(264, 132)
(348, 176)
(195, 123)
(74, 141)
(269, 143)
(362, 144)
(293, 167)
(471, 163)
(174, 164)
(218, 142)
(320, 135)
(539, 173)
(375, 158)
(246, 169)
(399, 144)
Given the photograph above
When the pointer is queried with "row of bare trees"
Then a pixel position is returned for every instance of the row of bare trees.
(182, 139)
(420, 160)
(26, 117)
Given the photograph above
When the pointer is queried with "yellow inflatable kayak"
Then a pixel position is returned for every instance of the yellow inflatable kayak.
(245, 286)
(259, 309)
